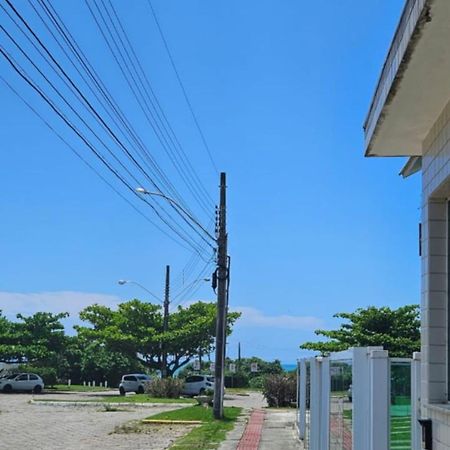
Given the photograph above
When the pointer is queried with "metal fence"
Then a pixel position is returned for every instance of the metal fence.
(359, 399)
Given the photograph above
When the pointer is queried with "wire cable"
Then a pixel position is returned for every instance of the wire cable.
(183, 89)
(96, 114)
(24, 76)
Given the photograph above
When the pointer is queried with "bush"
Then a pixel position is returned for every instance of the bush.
(48, 374)
(164, 388)
(280, 390)
(257, 382)
(237, 380)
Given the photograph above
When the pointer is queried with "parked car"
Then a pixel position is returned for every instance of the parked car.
(134, 382)
(197, 385)
(22, 382)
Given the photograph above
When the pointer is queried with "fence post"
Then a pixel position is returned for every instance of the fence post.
(302, 399)
(361, 400)
(379, 388)
(325, 403)
(314, 406)
(416, 436)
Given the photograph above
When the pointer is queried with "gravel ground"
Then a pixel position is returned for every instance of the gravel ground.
(38, 426)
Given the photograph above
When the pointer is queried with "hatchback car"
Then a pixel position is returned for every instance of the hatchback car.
(134, 382)
(22, 382)
(197, 384)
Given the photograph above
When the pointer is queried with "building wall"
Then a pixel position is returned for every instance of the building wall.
(434, 295)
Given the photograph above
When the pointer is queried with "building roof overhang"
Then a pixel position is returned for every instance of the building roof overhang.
(414, 85)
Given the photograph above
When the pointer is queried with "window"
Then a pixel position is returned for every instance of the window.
(33, 377)
(143, 377)
(129, 378)
(23, 377)
(194, 379)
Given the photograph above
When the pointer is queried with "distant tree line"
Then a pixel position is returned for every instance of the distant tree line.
(110, 342)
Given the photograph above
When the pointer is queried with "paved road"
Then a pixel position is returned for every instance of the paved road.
(26, 426)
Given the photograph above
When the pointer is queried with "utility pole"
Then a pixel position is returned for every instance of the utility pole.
(222, 297)
(165, 322)
(239, 356)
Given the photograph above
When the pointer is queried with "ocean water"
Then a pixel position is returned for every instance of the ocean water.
(289, 367)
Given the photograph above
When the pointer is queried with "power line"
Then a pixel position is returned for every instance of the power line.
(141, 94)
(99, 85)
(90, 166)
(97, 116)
(177, 143)
(26, 78)
(192, 288)
(183, 89)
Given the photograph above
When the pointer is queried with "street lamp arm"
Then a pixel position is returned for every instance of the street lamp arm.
(144, 191)
(122, 282)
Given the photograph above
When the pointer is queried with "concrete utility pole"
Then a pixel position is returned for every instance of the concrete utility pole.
(165, 322)
(239, 356)
(222, 290)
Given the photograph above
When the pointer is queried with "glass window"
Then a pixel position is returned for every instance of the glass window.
(400, 405)
(33, 377)
(341, 406)
(23, 377)
(129, 378)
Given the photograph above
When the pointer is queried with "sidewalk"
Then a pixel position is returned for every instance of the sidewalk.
(264, 429)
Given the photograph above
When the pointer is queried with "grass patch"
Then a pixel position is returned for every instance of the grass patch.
(401, 432)
(76, 388)
(143, 398)
(206, 436)
(241, 391)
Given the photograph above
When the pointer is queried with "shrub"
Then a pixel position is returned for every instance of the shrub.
(257, 382)
(237, 380)
(164, 388)
(280, 390)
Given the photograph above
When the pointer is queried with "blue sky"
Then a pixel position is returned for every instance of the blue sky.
(281, 90)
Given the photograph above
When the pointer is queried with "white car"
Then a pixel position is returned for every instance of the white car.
(134, 382)
(22, 382)
(197, 384)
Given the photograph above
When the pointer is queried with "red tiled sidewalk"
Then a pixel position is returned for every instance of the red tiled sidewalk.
(252, 434)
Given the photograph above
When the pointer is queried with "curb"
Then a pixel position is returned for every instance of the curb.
(129, 404)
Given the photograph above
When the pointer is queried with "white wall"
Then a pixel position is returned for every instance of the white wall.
(434, 295)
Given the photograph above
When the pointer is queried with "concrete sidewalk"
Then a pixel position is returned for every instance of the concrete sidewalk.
(278, 431)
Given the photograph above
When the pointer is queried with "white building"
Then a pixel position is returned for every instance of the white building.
(410, 116)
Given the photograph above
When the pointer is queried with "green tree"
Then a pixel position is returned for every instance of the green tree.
(135, 331)
(397, 330)
(39, 338)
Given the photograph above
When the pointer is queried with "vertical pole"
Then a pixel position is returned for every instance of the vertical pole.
(239, 357)
(416, 437)
(165, 322)
(378, 394)
(222, 277)
(302, 400)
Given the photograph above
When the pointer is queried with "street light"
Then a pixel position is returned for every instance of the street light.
(223, 280)
(122, 282)
(144, 191)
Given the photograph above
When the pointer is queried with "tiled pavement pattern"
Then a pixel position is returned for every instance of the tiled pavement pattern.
(252, 434)
(26, 426)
